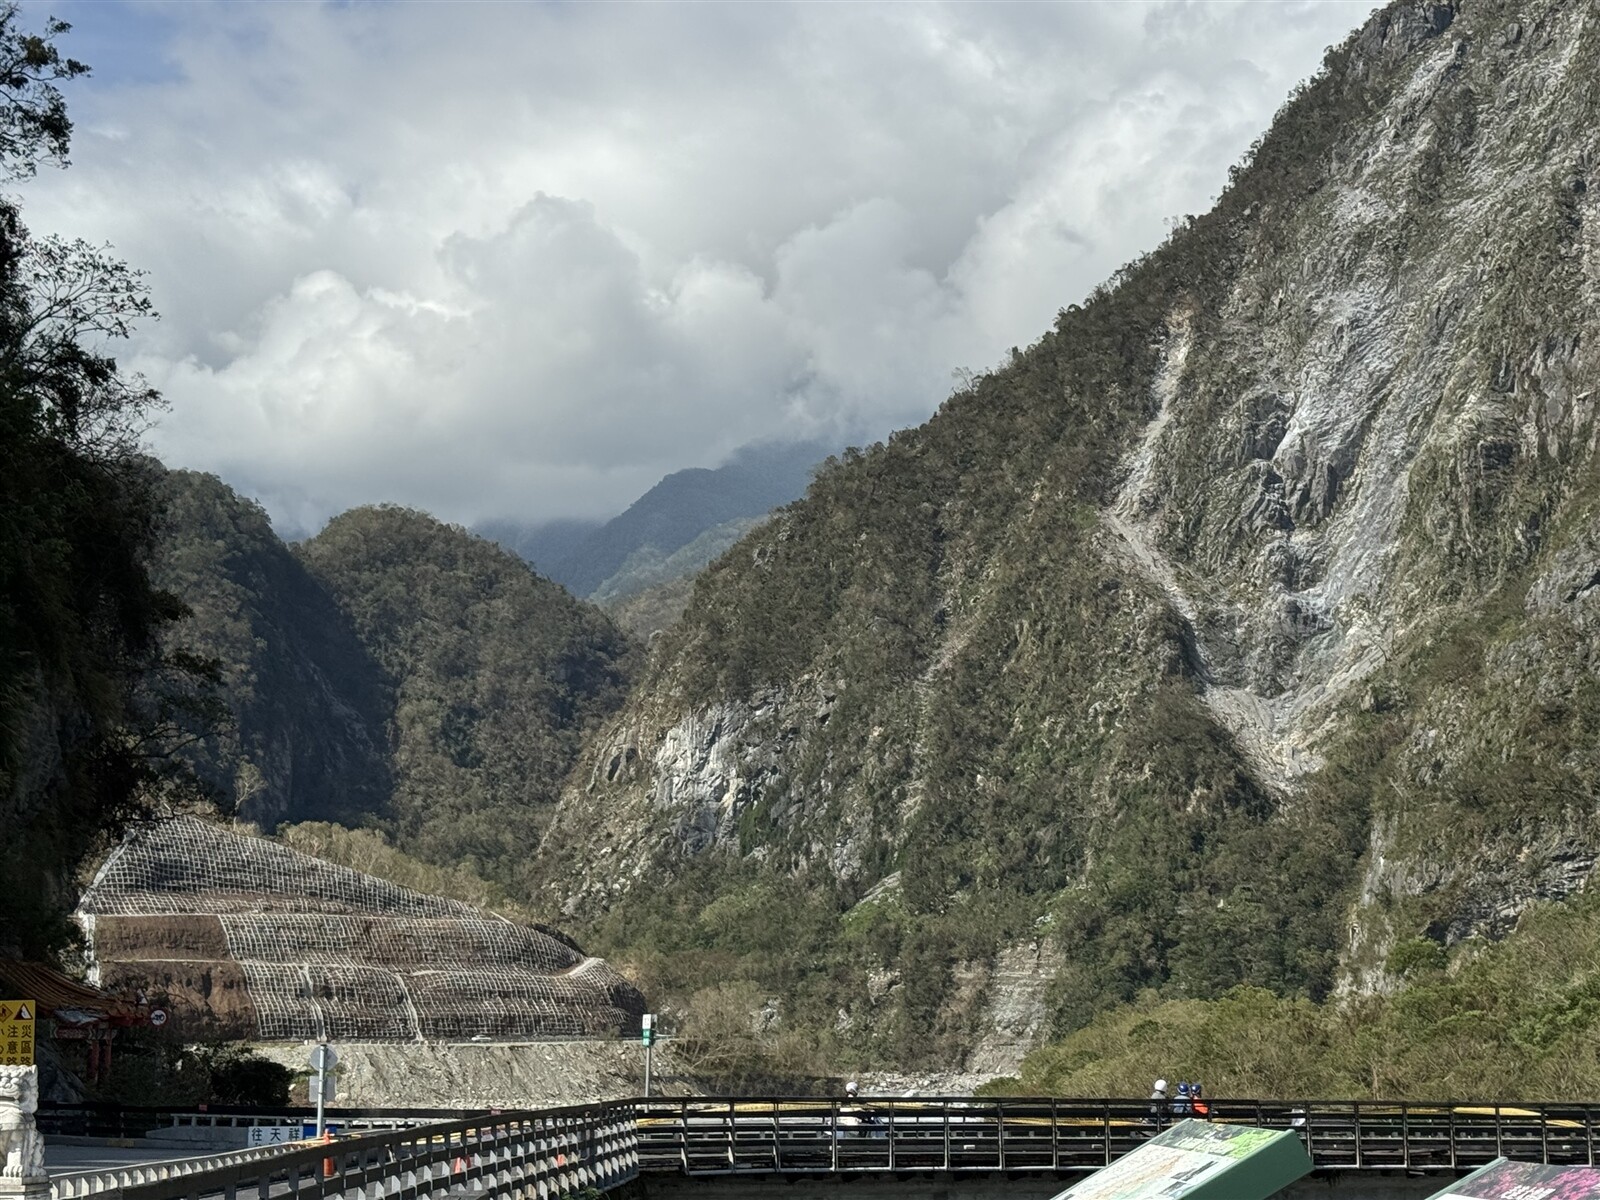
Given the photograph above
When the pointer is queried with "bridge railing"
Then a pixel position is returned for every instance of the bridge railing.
(551, 1154)
(701, 1136)
(106, 1120)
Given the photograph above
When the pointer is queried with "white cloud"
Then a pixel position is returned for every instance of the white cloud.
(521, 260)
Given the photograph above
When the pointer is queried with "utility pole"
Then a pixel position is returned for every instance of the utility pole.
(323, 1059)
(647, 1035)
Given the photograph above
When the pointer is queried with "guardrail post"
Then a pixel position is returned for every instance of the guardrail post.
(1000, 1131)
(1499, 1135)
(944, 1110)
(777, 1151)
(1544, 1134)
(893, 1133)
(1055, 1135)
(833, 1106)
(683, 1134)
(1356, 1122)
(1405, 1135)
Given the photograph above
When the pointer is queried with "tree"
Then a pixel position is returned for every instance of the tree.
(90, 707)
(33, 113)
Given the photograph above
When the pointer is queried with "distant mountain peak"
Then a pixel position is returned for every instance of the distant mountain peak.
(587, 556)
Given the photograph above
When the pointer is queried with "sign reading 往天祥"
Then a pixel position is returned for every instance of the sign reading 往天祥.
(1196, 1160)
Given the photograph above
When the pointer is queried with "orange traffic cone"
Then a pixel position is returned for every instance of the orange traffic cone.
(328, 1169)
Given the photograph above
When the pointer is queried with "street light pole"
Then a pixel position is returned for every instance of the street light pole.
(647, 1034)
(323, 1058)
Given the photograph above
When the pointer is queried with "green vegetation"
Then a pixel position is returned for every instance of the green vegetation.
(492, 675)
(652, 610)
(90, 706)
(960, 682)
(1518, 1019)
(393, 672)
(307, 703)
(369, 851)
(1013, 724)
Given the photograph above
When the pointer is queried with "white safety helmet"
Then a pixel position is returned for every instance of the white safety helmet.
(1161, 1085)
(850, 1088)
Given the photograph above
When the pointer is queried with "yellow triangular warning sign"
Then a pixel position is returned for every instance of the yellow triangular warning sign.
(23, 1012)
(5, 1012)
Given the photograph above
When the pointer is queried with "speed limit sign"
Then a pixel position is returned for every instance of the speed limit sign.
(158, 1017)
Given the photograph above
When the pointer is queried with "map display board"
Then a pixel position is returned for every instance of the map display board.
(1199, 1160)
(1507, 1180)
(16, 1033)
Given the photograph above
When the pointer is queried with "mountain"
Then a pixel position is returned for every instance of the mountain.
(307, 702)
(551, 542)
(1239, 631)
(393, 669)
(494, 674)
(634, 551)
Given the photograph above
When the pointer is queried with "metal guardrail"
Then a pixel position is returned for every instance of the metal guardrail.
(104, 1120)
(561, 1152)
(550, 1154)
(698, 1136)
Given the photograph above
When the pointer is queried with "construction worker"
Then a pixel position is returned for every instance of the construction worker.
(1158, 1102)
(848, 1117)
(1197, 1102)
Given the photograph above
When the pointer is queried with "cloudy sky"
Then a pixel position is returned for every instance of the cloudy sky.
(522, 259)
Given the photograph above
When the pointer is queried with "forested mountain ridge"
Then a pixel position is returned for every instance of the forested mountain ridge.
(306, 740)
(1239, 631)
(392, 671)
(495, 674)
(673, 529)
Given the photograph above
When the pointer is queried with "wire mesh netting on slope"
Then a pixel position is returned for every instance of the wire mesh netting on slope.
(162, 869)
(329, 952)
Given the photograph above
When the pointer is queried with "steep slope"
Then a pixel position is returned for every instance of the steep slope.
(492, 674)
(242, 938)
(627, 554)
(649, 567)
(392, 671)
(306, 739)
(1270, 565)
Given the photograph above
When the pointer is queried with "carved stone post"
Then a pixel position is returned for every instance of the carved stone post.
(22, 1173)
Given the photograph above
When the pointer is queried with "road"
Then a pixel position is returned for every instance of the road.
(67, 1159)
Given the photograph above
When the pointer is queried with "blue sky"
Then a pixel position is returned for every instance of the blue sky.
(519, 260)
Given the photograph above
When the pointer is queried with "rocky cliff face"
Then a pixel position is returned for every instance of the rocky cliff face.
(1242, 624)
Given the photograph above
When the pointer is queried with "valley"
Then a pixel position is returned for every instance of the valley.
(1213, 686)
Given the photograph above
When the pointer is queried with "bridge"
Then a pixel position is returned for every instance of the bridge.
(597, 1148)
(1066, 1137)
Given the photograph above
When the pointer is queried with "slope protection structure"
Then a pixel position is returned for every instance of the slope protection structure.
(240, 937)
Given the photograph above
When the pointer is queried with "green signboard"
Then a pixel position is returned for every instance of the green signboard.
(1507, 1180)
(1200, 1160)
